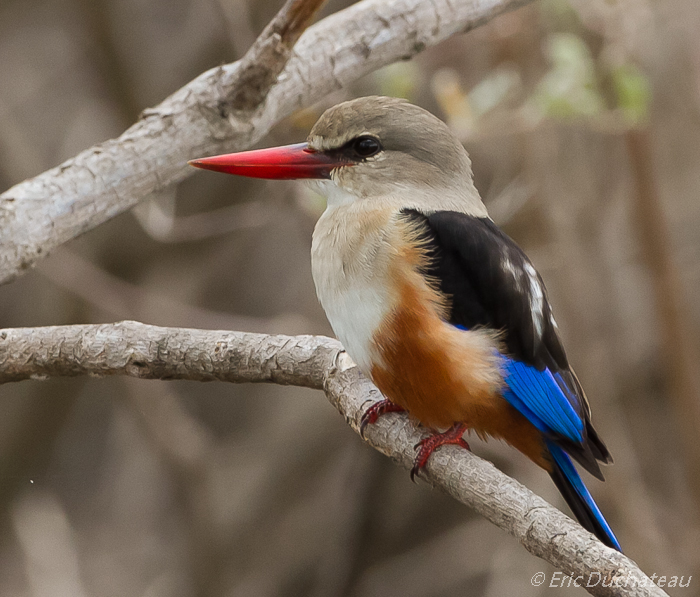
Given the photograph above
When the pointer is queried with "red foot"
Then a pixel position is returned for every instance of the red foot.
(426, 446)
(377, 410)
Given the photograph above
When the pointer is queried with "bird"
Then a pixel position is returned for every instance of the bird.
(441, 309)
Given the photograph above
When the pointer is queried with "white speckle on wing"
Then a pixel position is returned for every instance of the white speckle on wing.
(509, 268)
(536, 298)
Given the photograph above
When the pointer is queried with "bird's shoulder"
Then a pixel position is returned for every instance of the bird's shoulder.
(490, 282)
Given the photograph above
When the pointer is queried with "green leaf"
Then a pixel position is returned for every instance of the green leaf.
(570, 88)
(633, 93)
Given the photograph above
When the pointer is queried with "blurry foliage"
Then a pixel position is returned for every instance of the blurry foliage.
(454, 101)
(501, 84)
(570, 88)
(633, 93)
(400, 79)
(120, 487)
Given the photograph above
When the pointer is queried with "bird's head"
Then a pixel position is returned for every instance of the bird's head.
(367, 148)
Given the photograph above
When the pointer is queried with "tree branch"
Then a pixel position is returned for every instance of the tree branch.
(224, 109)
(259, 68)
(150, 352)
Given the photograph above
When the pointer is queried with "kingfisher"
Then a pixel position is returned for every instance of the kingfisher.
(437, 306)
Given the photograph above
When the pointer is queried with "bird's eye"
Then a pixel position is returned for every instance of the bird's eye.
(366, 146)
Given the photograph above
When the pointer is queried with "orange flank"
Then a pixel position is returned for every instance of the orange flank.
(442, 375)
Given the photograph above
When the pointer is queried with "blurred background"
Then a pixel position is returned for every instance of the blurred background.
(582, 118)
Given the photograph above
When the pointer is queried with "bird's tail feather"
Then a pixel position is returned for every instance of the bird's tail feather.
(577, 496)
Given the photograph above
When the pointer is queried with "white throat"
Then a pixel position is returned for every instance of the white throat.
(424, 199)
(335, 195)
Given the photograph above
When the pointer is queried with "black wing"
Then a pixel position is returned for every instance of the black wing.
(491, 283)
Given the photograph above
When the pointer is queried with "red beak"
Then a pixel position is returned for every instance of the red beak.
(287, 162)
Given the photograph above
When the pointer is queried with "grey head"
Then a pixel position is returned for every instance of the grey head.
(390, 148)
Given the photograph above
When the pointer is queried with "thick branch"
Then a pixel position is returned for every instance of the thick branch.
(215, 113)
(150, 352)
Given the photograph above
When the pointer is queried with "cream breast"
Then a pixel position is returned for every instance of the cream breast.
(350, 256)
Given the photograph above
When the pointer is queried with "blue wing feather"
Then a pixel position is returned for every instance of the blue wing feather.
(540, 398)
(579, 498)
(544, 399)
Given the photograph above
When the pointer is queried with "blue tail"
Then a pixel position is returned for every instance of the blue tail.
(570, 484)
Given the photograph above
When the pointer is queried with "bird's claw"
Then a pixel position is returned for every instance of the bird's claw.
(429, 444)
(372, 414)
